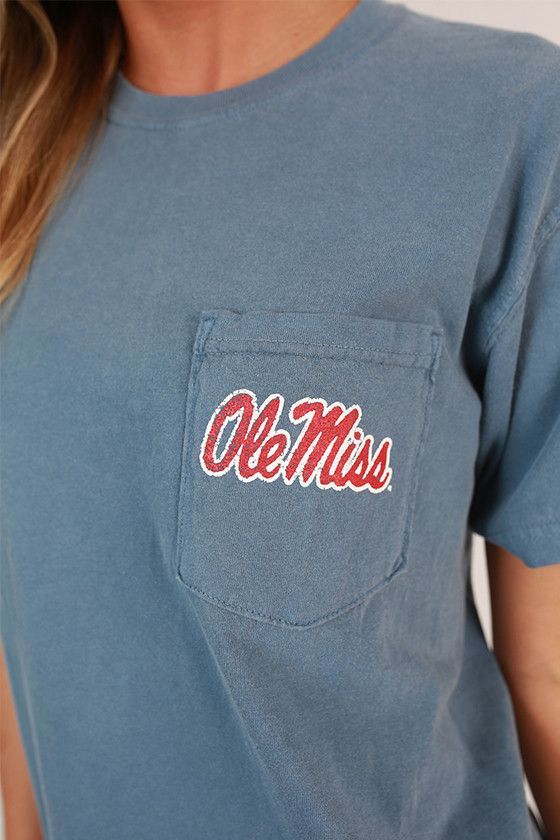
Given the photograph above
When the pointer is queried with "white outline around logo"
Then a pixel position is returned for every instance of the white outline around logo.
(376, 460)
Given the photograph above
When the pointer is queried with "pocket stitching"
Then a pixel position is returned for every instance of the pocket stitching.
(334, 346)
(427, 396)
(312, 356)
(204, 329)
(271, 619)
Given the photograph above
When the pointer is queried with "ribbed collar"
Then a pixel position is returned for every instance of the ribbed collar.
(368, 22)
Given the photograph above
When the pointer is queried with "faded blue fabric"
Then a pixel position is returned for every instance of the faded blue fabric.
(201, 649)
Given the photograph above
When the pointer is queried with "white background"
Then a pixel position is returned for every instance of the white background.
(543, 18)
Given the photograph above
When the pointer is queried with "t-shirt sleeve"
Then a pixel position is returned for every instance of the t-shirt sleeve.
(516, 498)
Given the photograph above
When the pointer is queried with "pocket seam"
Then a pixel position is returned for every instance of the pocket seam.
(315, 356)
(290, 340)
(428, 393)
(204, 329)
(247, 612)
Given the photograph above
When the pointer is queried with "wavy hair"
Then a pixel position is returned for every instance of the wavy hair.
(58, 62)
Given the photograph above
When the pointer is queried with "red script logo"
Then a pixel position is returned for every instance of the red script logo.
(331, 448)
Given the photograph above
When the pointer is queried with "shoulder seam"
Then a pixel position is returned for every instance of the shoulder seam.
(546, 229)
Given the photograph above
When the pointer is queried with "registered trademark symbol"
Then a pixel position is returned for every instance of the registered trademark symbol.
(390, 487)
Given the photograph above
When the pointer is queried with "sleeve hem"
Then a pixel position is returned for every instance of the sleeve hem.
(534, 528)
(537, 545)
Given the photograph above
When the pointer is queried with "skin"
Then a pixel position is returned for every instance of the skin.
(526, 641)
(230, 43)
(21, 821)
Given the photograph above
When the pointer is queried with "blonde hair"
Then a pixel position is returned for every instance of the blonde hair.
(58, 62)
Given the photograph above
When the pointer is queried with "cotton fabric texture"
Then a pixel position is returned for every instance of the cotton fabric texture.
(209, 636)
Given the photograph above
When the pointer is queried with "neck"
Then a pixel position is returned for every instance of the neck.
(193, 47)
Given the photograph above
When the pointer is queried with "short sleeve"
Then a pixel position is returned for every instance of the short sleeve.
(516, 498)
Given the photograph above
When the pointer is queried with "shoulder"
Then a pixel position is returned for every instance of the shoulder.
(470, 43)
(489, 61)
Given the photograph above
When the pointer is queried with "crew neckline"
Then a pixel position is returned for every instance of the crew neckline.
(369, 20)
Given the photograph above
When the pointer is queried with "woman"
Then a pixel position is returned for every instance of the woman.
(283, 341)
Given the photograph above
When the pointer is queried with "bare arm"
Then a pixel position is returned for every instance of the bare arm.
(526, 631)
(20, 813)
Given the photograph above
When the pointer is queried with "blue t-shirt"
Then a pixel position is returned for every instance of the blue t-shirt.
(278, 355)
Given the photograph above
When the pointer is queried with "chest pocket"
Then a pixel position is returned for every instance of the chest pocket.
(302, 445)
